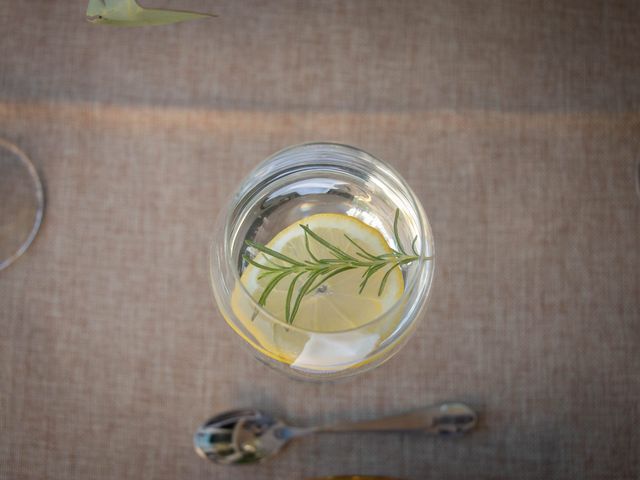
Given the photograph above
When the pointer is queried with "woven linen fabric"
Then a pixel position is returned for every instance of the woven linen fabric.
(516, 123)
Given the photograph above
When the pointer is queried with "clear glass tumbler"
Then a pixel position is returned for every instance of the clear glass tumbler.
(289, 186)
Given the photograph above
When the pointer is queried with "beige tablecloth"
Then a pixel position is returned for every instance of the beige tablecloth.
(518, 125)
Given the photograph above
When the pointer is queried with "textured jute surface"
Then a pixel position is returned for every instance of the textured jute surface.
(518, 126)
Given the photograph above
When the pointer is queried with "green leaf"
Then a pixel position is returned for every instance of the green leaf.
(368, 274)
(292, 286)
(248, 259)
(395, 231)
(383, 283)
(128, 13)
(269, 288)
(395, 265)
(306, 244)
(265, 274)
(303, 291)
(332, 274)
(273, 253)
(363, 253)
(276, 265)
(335, 250)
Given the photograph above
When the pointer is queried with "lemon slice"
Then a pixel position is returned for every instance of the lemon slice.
(335, 305)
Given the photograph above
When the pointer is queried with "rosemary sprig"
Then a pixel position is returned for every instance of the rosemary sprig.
(312, 273)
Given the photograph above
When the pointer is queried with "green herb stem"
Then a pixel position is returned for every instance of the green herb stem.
(316, 271)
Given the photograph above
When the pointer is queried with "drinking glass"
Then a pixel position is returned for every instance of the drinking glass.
(291, 185)
(21, 203)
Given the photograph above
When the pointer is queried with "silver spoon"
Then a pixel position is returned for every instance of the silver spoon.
(248, 436)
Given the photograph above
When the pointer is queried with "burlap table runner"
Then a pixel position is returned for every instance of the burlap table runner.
(517, 124)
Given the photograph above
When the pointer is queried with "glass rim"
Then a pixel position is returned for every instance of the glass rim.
(422, 275)
(39, 195)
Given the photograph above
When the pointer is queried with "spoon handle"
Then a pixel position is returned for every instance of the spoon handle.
(442, 419)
